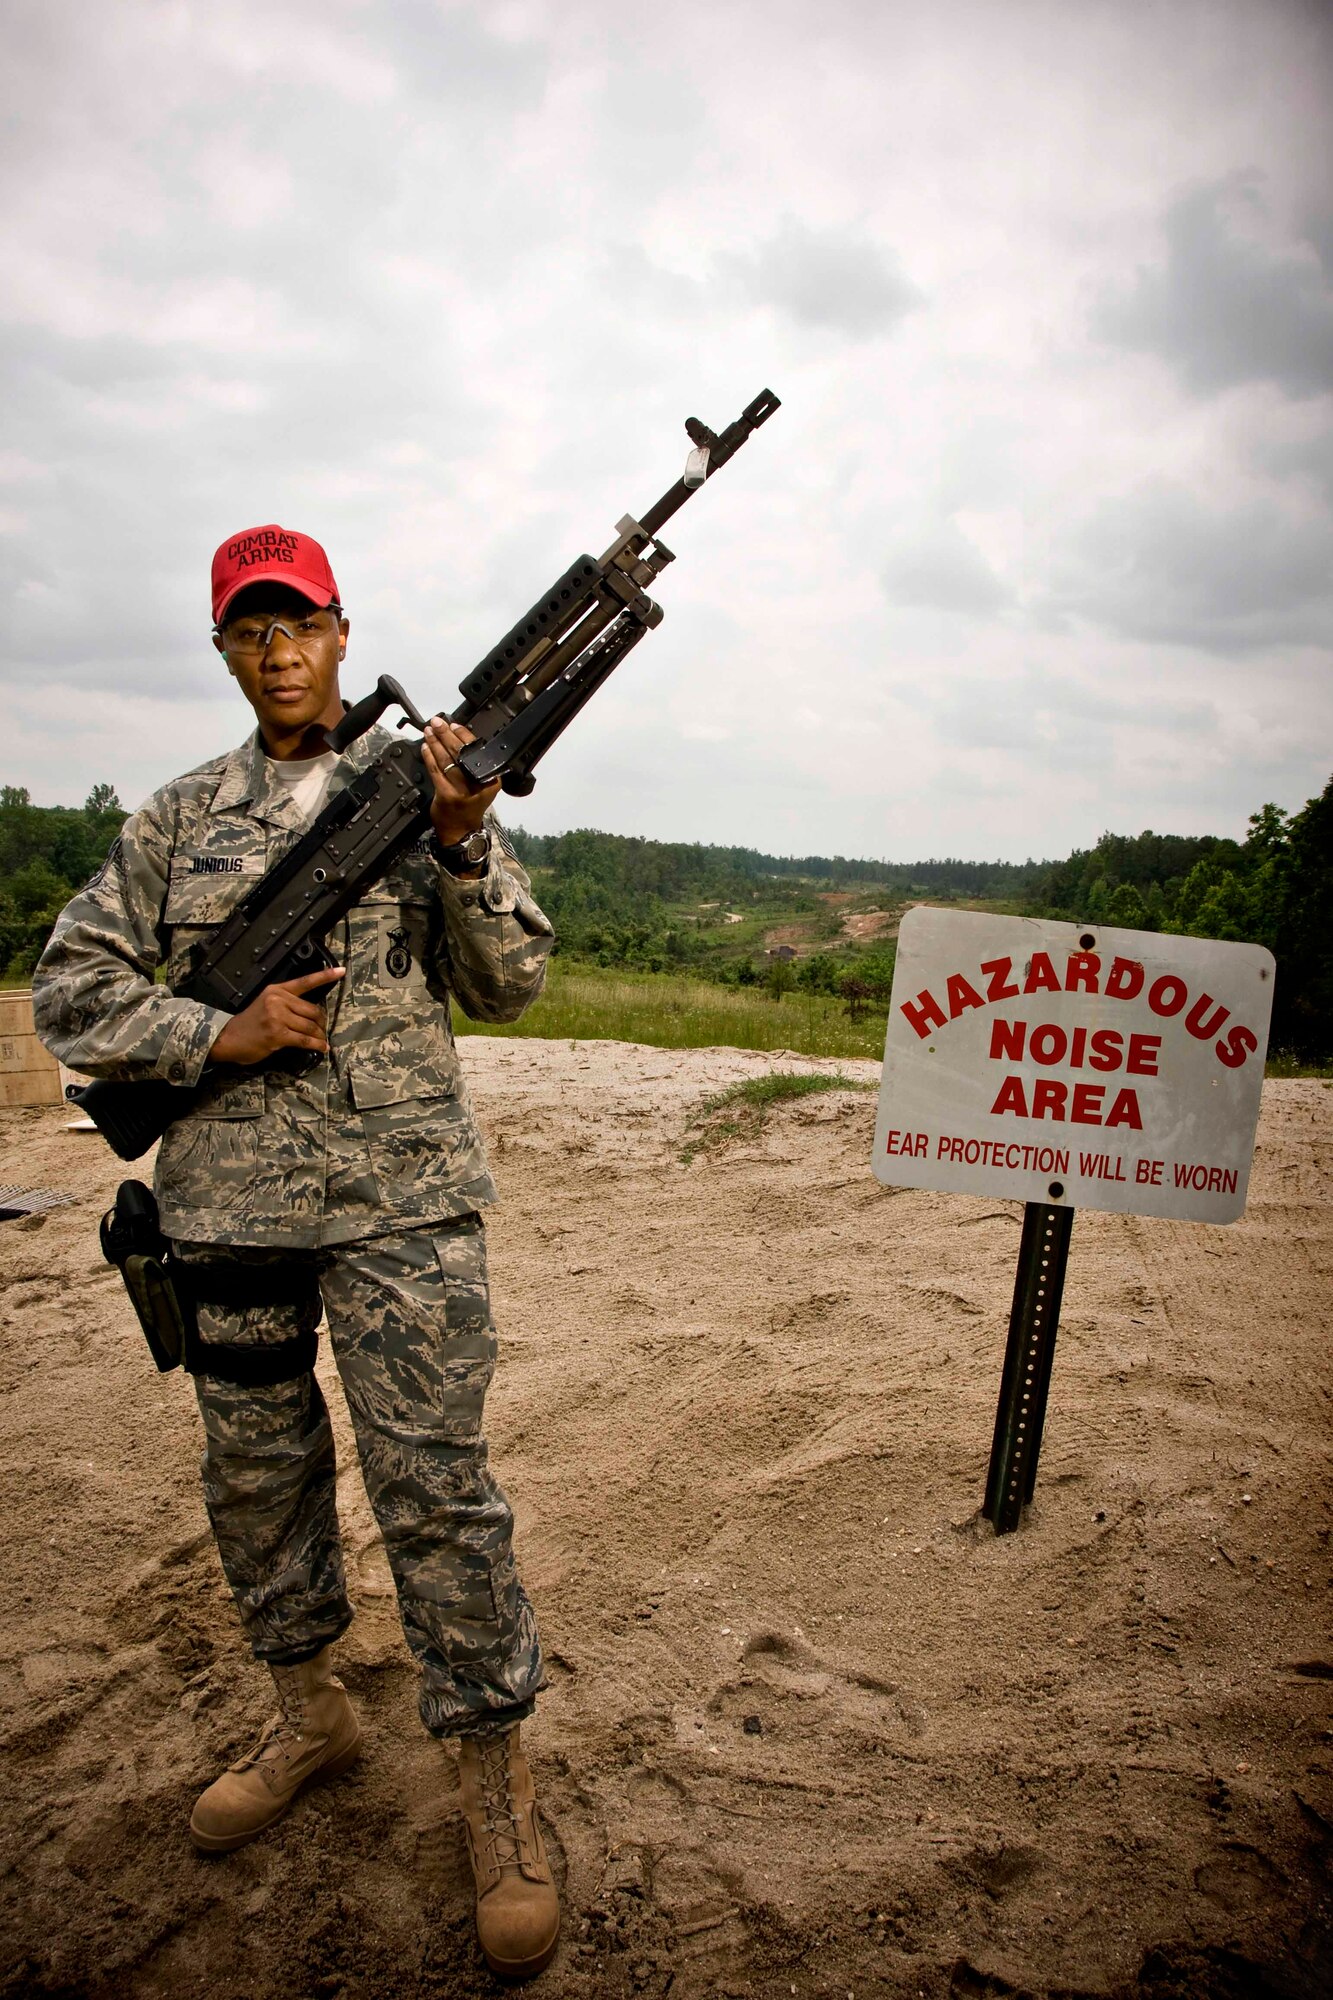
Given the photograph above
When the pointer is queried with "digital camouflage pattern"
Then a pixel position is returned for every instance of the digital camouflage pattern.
(410, 1326)
(369, 1166)
(379, 1134)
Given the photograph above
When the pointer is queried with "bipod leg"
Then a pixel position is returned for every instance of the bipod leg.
(1039, 1284)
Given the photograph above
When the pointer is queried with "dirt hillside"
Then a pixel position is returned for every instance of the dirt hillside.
(812, 1729)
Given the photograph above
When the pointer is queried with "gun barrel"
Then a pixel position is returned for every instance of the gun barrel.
(719, 451)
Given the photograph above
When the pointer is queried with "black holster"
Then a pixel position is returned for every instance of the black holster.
(167, 1293)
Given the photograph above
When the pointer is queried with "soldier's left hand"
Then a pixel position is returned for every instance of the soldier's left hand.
(460, 806)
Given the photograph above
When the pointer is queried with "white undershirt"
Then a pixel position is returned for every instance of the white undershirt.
(307, 780)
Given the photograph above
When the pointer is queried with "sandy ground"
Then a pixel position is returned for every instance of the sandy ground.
(858, 927)
(811, 1729)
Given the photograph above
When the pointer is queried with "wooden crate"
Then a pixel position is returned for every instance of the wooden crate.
(16, 1011)
(29, 1074)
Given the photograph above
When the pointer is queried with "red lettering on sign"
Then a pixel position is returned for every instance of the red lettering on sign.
(1240, 1043)
(1125, 1111)
(1042, 977)
(962, 995)
(1011, 1098)
(924, 1013)
(1168, 994)
(1048, 1045)
(1203, 1031)
(1125, 979)
(997, 971)
(1102, 1048)
(1006, 1040)
(1050, 1099)
(1206, 1180)
(1142, 1059)
(910, 1145)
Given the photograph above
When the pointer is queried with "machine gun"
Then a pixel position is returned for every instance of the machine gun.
(516, 702)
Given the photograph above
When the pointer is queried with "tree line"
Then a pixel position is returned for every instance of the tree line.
(1274, 888)
(628, 865)
(618, 899)
(46, 852)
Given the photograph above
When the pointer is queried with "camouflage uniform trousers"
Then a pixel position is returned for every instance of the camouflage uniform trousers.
(409, 1320)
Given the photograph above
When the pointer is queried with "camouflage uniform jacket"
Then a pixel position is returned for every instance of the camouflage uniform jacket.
(378, 1136)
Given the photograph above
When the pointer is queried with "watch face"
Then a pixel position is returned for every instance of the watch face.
(469, 853)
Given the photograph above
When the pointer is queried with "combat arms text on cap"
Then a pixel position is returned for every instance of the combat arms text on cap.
(271, 555)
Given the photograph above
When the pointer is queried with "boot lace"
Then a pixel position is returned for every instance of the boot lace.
(282, 1729)
(500, 1820)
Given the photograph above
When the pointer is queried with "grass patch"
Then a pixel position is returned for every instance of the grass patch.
(761, 1091)
(739, 1110)
(666, 1010)
(672, 1011)
(1288, 1065)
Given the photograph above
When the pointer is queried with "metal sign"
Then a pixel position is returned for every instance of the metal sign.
(1073, 1065)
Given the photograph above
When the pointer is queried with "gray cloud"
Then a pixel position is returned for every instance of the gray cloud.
(1317, 229)
(451, 52)
(1074, 720)
(836, 280)
(1309, 458)
(943, 569)
(438, 283)
(1159, 564)
(1225, 307)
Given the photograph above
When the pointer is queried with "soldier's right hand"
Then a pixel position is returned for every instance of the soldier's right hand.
(277, 1018)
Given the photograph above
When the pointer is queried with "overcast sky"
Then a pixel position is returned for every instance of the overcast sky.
(1040, 543)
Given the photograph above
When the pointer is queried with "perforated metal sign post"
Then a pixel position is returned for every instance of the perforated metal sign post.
(1067, 1066)
(1039, 1284)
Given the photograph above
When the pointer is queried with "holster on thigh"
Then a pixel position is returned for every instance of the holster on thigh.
(220, 1282)
(166, 1292)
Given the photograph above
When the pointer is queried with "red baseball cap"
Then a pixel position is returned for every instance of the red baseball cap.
(271, 555)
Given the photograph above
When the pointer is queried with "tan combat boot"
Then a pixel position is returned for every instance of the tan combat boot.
(314, 1734)
(518, 1911)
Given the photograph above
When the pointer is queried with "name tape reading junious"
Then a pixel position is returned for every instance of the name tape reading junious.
(1069, 1063)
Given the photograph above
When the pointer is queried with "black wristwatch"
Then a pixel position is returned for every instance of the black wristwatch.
(462, 856)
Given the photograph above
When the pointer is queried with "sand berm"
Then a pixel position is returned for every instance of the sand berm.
(812, 1728)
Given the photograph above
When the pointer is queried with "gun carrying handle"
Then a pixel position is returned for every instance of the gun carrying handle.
(366, 712)
(357, 720)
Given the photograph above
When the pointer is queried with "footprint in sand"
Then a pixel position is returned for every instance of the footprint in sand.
(1238, 1878)
(792, 1689)
(1001, 1870)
